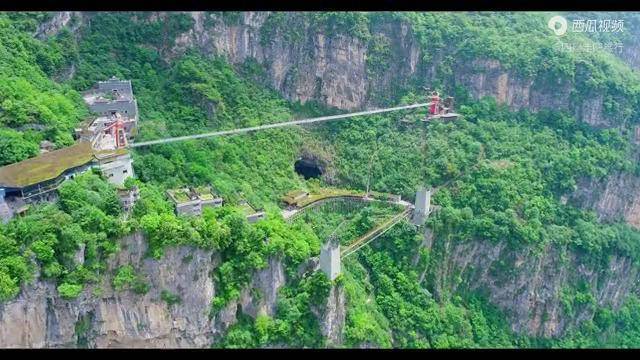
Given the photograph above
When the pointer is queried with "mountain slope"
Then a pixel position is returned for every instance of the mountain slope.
(512, 258)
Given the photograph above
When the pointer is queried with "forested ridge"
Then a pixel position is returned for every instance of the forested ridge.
(503, 176)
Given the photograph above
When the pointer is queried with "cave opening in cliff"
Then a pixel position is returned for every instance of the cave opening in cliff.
(308, 168)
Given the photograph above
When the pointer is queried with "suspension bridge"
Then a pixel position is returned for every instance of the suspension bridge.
(376, 232)
(275, 125)
(332, 252)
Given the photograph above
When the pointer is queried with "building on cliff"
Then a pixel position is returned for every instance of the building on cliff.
(109, 99)
(113, 95)
(190, 201)
(37, 179)
(101, 144)
(252, 214)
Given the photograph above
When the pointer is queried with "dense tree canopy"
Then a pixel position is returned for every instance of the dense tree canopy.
(501, 175)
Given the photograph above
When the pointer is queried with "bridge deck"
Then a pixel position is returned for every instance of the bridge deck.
(375, 233)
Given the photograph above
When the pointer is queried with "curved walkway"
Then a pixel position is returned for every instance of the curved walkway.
(290, 214)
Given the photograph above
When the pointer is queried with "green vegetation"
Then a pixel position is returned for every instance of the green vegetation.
(30, 100)
(126, 278)
(85, 217)
(608, 329)
(365, 323)
(294, 323)
(453, 323)
(502, 175)
(15, 147)
(169, 297)
(69, 291)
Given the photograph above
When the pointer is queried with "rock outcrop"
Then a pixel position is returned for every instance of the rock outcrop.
(631, 52)
(528, 286)
(103, 317)
(59, 20)
(332, 316)
(486, 77)
(329, 69)
(39, 317)
(615, 198)
(333, 319)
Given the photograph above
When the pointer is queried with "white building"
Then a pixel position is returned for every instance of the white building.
(330, 258)
(422, 206)
(116, 167)
(191, 201)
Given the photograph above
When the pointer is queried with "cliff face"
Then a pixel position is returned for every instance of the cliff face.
(334, 68)
(331, 70)
(617, 197)
(59, 20)
(631, 53)
(529, 287)
(332, 316)
(258, 298)
(485, 77)
(101, 317)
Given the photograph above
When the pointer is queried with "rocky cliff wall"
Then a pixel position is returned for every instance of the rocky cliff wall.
(102, 317)
(332, 316)
(306, 63)
(615, 198)
(333, 68)
(528, 286)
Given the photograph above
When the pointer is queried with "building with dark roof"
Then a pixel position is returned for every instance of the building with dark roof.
(112, 97)
(102, 145)
(37, 178)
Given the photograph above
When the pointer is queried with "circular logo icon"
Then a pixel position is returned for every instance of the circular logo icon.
(558, 24)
